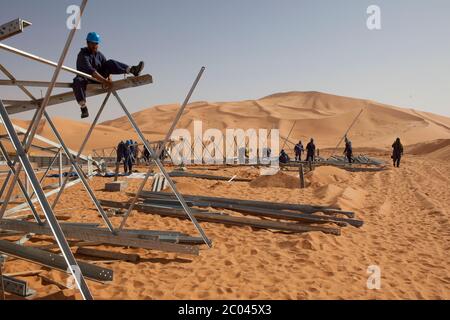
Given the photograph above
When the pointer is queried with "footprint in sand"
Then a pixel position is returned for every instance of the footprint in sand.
(203, 294)
(287, 244)
(261, 267)
(308, 245)
(425, 255)
(313, 290)
(158, 293)
(228, 263)
(302, 256)
(180, 295)
(220, 291)
(328, 274)
(302, 295)
(342, 269)
(138, 284)
(303, 261)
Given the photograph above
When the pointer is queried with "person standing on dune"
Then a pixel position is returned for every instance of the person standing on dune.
(120, 154)
(397, 152)
(348, 150)
(299, 149)
(310, 151)
(128, 155)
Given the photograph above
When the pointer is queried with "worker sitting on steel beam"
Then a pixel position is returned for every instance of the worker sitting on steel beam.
(93, 62)
(284, 157)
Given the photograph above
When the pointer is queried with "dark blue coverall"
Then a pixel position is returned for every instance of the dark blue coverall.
(397, 153)
(128, 155)
(284, 158)
(349, 151)
(311, 152)
(121, 149)
(298, 151)
(89, 62)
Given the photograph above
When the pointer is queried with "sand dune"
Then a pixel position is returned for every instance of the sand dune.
(73, 132)
(438, 149)
(323, 116)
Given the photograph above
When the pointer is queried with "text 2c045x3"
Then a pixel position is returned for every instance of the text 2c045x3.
(246, 310)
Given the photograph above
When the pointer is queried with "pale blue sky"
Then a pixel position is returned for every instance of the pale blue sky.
(251, 48)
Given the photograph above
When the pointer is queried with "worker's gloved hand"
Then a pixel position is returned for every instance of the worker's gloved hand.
(108, 84)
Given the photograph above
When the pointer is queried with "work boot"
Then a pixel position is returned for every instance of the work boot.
(136, 70)
(84, 113)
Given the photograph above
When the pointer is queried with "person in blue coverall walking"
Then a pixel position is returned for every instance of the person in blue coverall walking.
(91, 61)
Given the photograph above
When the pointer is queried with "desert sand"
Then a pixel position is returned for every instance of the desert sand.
(437, 149)
(322, 116)
(406, 212)
(73, 132)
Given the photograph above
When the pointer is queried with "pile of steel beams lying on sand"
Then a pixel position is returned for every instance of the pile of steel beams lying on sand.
(360, 163)
(184, 174)
(83, 235)
(180, 174)
(361, 159)
(292, 218)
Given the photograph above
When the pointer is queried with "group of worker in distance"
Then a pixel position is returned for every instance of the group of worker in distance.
(130, 153)
(299, 150)
(127, 152)
(397, 152)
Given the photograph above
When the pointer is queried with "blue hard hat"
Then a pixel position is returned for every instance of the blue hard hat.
(93, 37)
